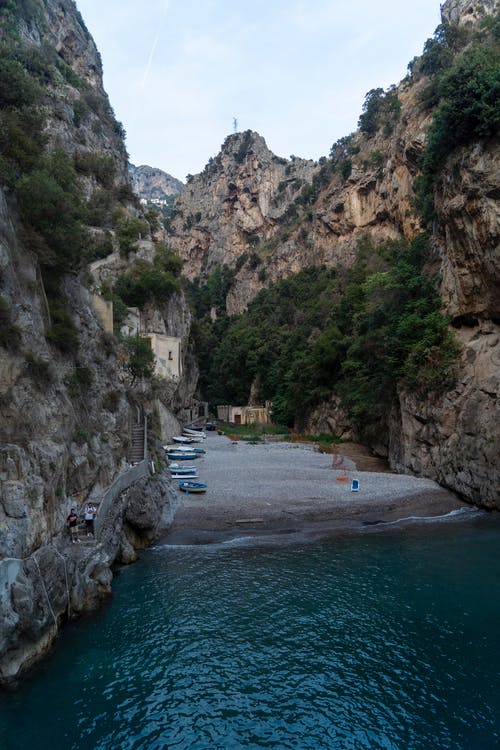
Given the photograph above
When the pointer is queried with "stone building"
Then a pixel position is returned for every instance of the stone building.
(244, 414)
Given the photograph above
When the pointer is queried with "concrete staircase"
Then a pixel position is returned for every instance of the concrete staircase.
(137, 444)
(82, 535)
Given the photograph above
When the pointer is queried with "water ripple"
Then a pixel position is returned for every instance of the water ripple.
(382, 643)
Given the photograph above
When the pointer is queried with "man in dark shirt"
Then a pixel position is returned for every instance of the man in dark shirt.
(72, 522)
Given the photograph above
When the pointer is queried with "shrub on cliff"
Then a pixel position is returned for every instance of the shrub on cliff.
(469, 110)
(148, 282)
(51, 208)
(380, 109)
(128, 231)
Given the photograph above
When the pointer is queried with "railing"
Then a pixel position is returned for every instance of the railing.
(121, 483)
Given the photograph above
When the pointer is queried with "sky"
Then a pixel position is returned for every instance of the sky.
(179, 72)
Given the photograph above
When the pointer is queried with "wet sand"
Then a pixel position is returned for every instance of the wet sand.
(289, 487)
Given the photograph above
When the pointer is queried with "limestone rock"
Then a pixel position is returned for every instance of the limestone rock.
(455, 439)
(152, 184)
(467, 11)
(469, 219)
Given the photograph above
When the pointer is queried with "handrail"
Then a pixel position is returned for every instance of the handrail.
(122, 482)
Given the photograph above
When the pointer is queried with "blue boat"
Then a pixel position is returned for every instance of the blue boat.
(182, 449)
(182, 456)
(188, 487)
(177, 472)
(182, 475)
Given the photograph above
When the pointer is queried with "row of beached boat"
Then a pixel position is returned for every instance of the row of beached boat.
(183, 450)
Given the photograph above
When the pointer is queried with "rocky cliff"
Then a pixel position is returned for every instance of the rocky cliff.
(152, 184)
(67, 404)
(265, 218)
(231, 213)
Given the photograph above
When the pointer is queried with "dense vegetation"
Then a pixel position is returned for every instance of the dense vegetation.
(464, 67)
(145, 283)
(360, 336)
(45, 183)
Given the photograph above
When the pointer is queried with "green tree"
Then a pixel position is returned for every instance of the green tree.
(380, 108)
(140, 360)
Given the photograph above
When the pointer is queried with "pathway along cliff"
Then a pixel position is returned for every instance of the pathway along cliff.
(60, 581)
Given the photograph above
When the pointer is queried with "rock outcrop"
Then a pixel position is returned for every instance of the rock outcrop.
(469, 231)
(231, 213)
(454, 439)
(58, 581)
(266, 217)
(462, 12)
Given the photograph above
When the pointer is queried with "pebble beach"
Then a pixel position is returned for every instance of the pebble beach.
(285, 487)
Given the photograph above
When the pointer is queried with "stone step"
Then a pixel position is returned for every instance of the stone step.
(137, 443)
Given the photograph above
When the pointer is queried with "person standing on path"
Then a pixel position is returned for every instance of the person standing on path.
(90, 512)
(72, 522)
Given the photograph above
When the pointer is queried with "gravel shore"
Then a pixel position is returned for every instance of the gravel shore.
(283, 487)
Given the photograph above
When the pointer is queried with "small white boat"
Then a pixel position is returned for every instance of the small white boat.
(184, 476)
(194, 433)
(182, 439)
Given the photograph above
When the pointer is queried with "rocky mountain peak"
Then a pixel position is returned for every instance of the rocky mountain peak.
(458, 12)
(245, 143)
(235, 205)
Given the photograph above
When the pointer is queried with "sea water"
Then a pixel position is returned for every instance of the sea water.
(379, 641)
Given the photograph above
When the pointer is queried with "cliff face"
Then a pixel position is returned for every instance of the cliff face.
(234, 209)
(469, 220)
(66, 401)
(455, 439)
(462, 12)
(81, 117)
(266, 218)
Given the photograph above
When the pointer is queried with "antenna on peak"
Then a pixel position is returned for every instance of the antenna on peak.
(235, 125)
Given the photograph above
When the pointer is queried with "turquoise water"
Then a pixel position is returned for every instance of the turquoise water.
(382, 641)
